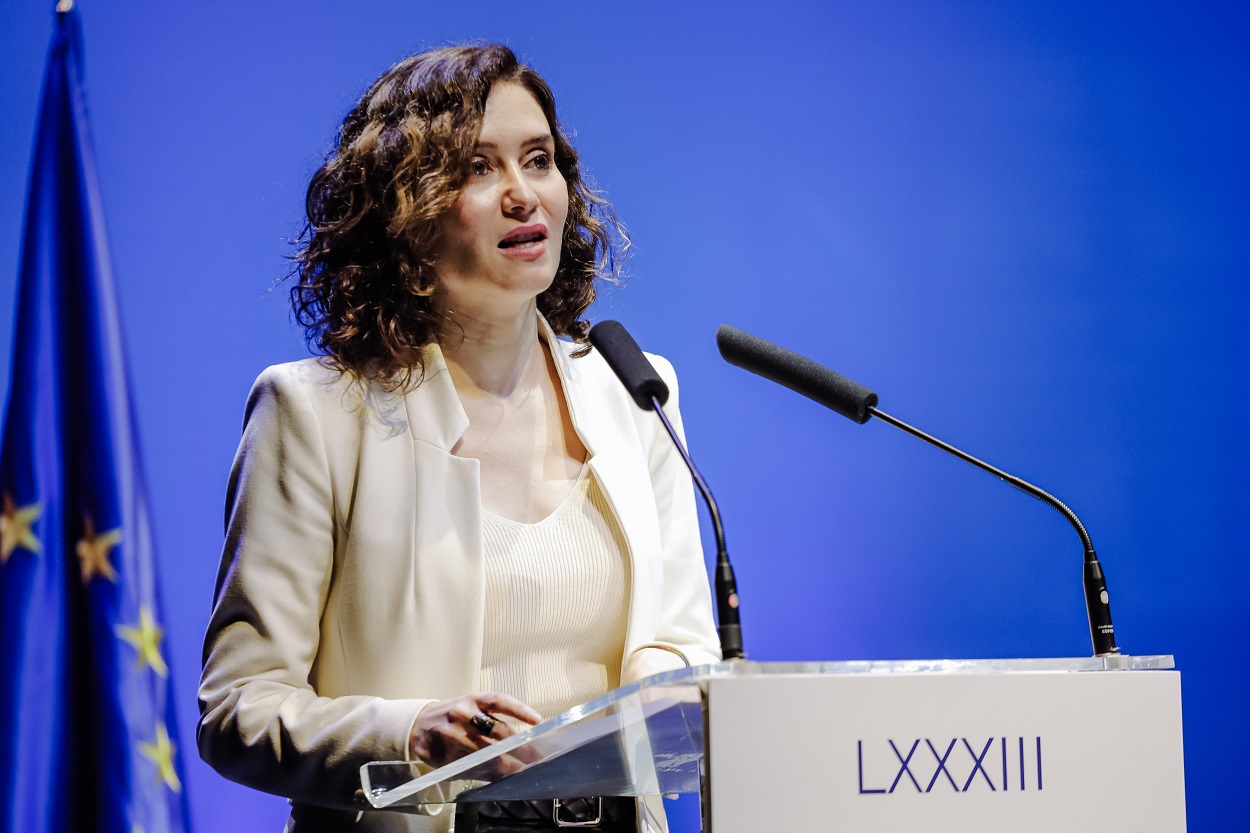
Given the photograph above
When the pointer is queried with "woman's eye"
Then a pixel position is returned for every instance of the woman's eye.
(541, 162)
(479, 167)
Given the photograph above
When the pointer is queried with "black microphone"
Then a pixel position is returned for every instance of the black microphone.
(799, 374)
(858, 403)
(625, 358)
(649, 391)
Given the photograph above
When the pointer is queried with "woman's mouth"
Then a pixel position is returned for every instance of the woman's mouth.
(527, 241)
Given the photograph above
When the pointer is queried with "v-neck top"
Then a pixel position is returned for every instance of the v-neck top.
(557, 594)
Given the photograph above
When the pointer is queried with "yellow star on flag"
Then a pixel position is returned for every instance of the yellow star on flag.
(146, 638)
(15, 531)
(161, 753)
(93, 551)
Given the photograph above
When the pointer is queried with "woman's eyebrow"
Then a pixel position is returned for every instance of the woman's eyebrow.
(536, 140)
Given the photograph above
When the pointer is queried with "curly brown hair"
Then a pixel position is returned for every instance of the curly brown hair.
(364, 269)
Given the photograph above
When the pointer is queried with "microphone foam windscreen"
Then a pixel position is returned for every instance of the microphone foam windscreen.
(799, 374)
(626, 360)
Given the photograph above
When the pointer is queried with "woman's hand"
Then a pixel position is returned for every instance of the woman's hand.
(449, 729)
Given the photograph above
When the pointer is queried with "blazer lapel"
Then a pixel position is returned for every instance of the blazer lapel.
(449, 596)
(435, 415)
(604, 418)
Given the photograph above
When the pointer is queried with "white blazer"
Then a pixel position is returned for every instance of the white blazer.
(351, 587)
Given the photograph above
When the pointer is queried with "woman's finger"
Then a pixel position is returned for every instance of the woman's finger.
(451, 729)
(492, 702)
(486, 724)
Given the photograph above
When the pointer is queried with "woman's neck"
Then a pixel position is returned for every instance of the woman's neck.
(491, 354)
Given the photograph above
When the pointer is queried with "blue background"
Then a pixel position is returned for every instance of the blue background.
(1023, 224)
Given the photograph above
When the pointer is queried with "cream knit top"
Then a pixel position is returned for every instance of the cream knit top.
(556, 602)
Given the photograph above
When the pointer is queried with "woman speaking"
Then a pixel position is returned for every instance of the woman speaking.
(455, 513)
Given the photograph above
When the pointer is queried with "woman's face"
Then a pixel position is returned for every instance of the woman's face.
(501, 241)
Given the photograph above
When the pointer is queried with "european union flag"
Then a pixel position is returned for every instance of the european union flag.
(87, 739)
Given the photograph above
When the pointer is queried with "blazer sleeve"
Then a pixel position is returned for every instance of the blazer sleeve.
(262, 722)
(685, 610)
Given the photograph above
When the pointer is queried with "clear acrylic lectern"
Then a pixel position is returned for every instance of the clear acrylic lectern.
(1027, 743)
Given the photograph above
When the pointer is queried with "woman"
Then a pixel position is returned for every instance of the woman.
(454, 514)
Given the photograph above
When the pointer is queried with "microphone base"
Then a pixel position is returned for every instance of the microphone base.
(1098, 607)
(731, 641)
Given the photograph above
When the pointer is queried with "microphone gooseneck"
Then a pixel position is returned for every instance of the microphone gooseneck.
(858, 403)
(650, 393)
(1097, 606)
(728, 623)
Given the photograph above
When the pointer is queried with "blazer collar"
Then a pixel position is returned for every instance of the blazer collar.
(435, 415)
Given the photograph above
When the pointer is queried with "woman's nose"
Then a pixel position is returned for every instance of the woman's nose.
(519, 195)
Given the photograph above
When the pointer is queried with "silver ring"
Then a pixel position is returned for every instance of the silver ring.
(483, 722)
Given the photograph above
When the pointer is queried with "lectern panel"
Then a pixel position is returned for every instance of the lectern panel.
(947, 752)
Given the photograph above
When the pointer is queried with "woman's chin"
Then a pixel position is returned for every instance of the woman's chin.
(530, 278)
(508, 293)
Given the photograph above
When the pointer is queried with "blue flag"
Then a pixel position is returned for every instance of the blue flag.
(87, 734)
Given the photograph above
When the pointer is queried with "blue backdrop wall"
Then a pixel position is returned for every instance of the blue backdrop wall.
(1023, 224)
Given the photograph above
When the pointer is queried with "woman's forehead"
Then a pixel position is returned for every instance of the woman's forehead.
(512, 115)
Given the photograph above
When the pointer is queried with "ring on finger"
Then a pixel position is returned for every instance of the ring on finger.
(484, 723)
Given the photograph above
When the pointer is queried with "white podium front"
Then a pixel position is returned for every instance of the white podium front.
(950, 745)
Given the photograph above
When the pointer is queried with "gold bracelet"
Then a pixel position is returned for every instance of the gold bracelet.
(665, 647)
